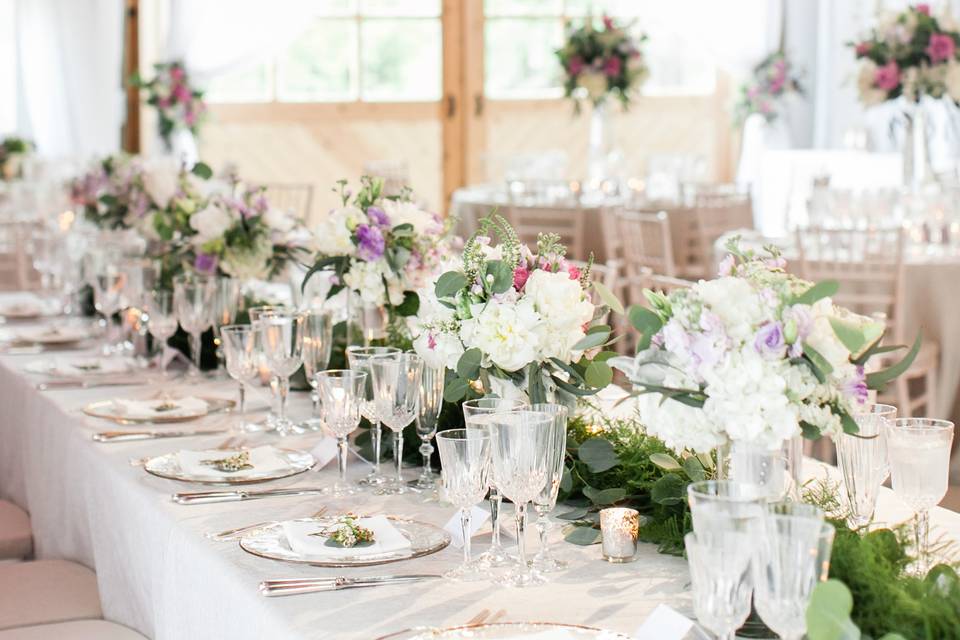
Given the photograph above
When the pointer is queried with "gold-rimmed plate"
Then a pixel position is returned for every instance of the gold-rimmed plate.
(109, 410)
(507, 631)
(52, 336)
(271, 542)
(293, 462)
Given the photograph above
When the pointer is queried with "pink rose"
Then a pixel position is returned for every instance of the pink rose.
(608, 22)
(612, 66)
(923, 8)
(520, 275)
(941, 47)
(575, 65)
(573, 271)
(181, 93)
(176, 74)
(887, 77)
(862, 48)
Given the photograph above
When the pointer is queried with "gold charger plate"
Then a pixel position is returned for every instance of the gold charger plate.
(103, 409)
(168, 467)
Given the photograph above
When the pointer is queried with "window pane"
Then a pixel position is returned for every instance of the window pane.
(679, 63)
(519, 58)
(522, 7)
(401, 59)
(602, 7)
(321, 64)
(252, 85)
(336, 7)
(416, 8)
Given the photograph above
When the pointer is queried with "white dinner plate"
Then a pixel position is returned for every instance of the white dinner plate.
(509, 631)
(293, 462)
(110, 410)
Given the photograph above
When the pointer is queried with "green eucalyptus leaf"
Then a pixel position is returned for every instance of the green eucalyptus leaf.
(665, 461)
(668, 490)
(818, 361)
(879, 379)
(583, 536)
(502, 276)
(810, 432)
(608, 298)
(828, 614)
(202, 170)
(455, 389)
(592, 339)
(450, 284)
(851, 336)
(694, 469)
(818, 291)
(598, 454)
(646, 322)
(574, 514)
(468, 366)
(566, 480)
(605, 496)
(598, 375)
(409, 306)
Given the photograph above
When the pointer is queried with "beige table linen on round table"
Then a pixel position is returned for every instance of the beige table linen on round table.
(158, 573)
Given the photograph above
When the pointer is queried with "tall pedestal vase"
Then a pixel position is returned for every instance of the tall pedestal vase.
(917, 170)
(778, 472)
(598, 152)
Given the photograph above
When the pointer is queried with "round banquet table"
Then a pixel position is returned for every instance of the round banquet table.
(159, 574)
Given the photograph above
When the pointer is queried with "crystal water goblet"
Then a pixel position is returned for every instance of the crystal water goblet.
(725, 505)
(281, 341)
(359, 359)
(317, 345)
(788, 564)
(546, 499)
(161, 322)
(108, 300)
(254, 314)
(396, 390)
(240, 354)
(341, 394)
(193, 297)
(520, 450)
(475, 416)
(862, 458)
(465, 473)
(226, 304)
(721, 579)
(431, 402)
(919, 450)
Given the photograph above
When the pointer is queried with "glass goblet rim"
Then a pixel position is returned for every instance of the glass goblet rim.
(927, 426)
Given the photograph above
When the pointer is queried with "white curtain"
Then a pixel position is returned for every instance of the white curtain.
(69, 58)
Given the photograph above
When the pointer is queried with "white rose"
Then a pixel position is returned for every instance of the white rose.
(564, 309)
(161, 184)
(595, 82)
(870, 95)
(279, 220)
(823, 339)
(402, 212)
(505, 333)
(334, 235)
(366, 278)
(210, 223)
(438, 349)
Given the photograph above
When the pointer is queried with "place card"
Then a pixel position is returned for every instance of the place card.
(324, 451)
(666, 623)
(478, 517)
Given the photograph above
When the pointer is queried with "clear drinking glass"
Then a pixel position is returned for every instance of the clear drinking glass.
(788, 565)
(161, 321)
(431, 401)
(919, 450)
(862, 459)
(520, 450)
(546, 500)
(108, 300)
(240, 352)
(721, 579)
(193, 298)
(226, 303)
(342, 393)
(358, 359)
(465, 470)
(317, 343)
(475, 416)
(396, 391)
(255, 313)
(725, 505)
(281, 342)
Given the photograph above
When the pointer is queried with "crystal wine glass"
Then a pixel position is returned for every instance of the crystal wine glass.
(108, 300)
(317, 344)
(475, 416)
(193, 298)
(161, 321)
(396, 391)
(465, 471)
(226, 303)
(255, 313)
(359, 359)
(919, 450)
(721, 579)
(725, 505)
(342, 393)
(862, 458)
(281, 340)
(240, 353)
(431, 401)
(546, 500)
(520, 450)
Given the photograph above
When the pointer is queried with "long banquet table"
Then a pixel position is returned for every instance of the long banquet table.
(158, 573)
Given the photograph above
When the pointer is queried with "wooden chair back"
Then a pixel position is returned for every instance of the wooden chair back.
(568, 223)
(718, 210)
(291, 197)
(646, 247)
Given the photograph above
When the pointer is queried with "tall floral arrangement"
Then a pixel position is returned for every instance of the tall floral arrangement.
(756, 355)
(910, 54)
(512, 320)
(178, 104)
(604, 61)
(381, 249)
(772, 79)
(112, 194)
(13, 149)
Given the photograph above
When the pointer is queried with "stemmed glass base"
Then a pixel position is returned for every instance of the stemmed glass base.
(497, 556)
(474, 571)
(522, 577)
(545, 562)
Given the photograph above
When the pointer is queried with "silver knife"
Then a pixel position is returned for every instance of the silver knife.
(76, 383)
(207, 497)
(129, 436)
(294, 586)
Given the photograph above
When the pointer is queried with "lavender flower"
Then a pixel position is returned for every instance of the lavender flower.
(378, 216)
(370, 243)
(856, 387)
(205, 263)
(769, 340)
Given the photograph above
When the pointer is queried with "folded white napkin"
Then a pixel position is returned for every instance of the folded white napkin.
(81, 366)
(386, 539)
(147, 409)
(25, 308)
(264, 459)
(52, 334)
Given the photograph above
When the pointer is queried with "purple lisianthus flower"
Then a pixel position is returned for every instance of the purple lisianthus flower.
(205, 263)
(856, 388)
(769, 340)
(370, 243)
(378, 216)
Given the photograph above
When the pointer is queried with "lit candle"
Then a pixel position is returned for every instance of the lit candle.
(619, 528)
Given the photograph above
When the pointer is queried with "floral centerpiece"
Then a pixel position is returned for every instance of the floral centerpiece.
(772, 79)
(13, 150)
(602, 62)
(379, 249)
(179, 106)
(112, 193)
(756, 356)
(510, 321)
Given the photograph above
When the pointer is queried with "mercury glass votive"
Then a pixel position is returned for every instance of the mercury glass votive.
(619, 528)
